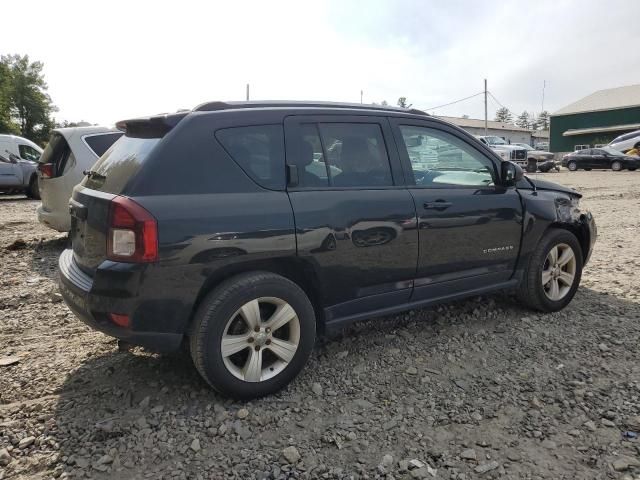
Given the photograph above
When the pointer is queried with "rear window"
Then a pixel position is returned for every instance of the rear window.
(101, 142)
(259, 150)
(123, 160)
(58, 153)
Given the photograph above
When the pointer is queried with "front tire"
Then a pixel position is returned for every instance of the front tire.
(572, 166)
(616, 166)
(252, 335)
(554, 272)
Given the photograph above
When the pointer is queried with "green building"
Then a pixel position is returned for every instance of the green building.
(596, 119)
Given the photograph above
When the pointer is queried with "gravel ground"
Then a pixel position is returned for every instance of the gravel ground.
(477, 389)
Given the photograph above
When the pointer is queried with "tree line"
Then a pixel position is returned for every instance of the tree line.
(25, 106)
(525, 120)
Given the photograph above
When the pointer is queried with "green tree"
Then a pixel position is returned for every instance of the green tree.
(523, 120)
(503, 115)
(543, 121)
(6, 123)
(30, 104)
(402, 102)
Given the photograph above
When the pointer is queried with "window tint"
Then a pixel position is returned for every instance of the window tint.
(100, 143)
(309, 159)
(259, 150)
(58, 153)
(28, 153)
(123, 160)
(440, 159)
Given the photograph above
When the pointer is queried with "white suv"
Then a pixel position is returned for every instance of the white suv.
(69, 153)
(626, 142)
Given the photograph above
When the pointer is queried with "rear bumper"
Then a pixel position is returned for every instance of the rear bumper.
(77, 289)
(60, 221)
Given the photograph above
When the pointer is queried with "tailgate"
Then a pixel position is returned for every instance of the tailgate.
(89, 211)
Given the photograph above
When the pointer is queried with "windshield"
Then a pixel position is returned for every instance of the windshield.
(525, 146)
(612, 151)
(495, 140)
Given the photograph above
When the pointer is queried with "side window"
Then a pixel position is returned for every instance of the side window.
(102, 142)
(259, 150)
(313, 171)
(356, 155)
(28, 153)
(439, 159)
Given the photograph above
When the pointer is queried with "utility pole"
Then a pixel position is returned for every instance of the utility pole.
(544, 84)
(360, 96)
(485, 107)
(247, 92)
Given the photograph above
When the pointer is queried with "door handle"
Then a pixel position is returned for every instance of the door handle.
(437, 205)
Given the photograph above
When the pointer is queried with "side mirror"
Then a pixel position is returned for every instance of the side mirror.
(511, 173)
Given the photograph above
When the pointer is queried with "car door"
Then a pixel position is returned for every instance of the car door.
(469, 225)
(355, 220)
(10, 173)
(598, 159)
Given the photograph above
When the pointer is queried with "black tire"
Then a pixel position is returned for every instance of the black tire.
(632, 169)
(218, 309)
(531, 291)
(532, 165)
(33, 190)
(616, 165)
(587, 169)
(572, 166)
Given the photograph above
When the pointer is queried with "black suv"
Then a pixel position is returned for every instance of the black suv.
(246, 228)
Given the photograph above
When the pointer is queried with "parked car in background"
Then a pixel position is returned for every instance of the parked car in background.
(209, 228)
(539, 159)
(18, 157)
(626, 142)
(68, 154)
(602, 158)
(505, 150)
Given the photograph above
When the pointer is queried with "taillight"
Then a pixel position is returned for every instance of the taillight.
(133, 232)
(46, 170)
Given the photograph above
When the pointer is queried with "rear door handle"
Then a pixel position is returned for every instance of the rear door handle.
(437, 205)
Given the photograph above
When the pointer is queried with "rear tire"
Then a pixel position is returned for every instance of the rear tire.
(255, 360)
(32, 190)
(548, 285)
(572, 166)
(616, 166)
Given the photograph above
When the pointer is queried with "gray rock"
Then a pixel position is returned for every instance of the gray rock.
(412, 371)
(549, 444)
(387, 460)
(487, 467)
(469, 454)
(105, 460)
(590, 425)
(82, 462)
(195, 445)
(291, 455)
(25, 442)
(5, 457)
(242, 413)
(607, 423)
(513, 456)
(603, 347)
(415, 463)
(317, 389)
(144, 403)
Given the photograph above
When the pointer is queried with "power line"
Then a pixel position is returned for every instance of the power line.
(496, 100)
(457, 101)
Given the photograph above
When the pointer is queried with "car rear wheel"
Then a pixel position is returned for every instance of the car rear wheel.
(572, 166)
(554, 272)
(33, 191)
(616, 165)
(252, 335)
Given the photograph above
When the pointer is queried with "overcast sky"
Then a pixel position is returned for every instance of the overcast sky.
(106, 61)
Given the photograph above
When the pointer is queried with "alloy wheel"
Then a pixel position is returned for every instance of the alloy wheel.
(260, 339)
(559, 272)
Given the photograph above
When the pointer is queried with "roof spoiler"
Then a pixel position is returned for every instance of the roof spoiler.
(150, 127)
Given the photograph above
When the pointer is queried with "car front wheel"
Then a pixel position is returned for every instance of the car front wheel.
(252, 335)
(616, 166)
(554, 272)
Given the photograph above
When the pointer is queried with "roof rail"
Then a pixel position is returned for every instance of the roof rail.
(214, 106)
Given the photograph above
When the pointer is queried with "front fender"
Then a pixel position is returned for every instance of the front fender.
(545, 209)
(28, 170)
